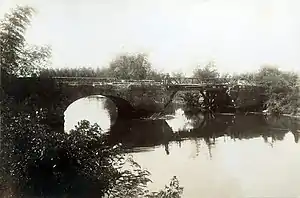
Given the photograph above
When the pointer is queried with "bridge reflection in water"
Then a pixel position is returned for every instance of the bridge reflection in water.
(136, 134)
(231, 156)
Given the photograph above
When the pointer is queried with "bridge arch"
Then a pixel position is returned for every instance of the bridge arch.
(111, 109)
(124, 107)
(211, 99)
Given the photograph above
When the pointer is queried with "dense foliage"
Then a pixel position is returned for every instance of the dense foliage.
(209, 72)
(281, 88)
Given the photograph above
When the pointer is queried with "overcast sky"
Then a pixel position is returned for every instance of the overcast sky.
(240, 35)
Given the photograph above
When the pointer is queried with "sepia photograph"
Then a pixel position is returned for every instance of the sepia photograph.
(150, 99)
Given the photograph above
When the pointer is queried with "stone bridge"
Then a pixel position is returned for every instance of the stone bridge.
(132, 98)
(145, 97)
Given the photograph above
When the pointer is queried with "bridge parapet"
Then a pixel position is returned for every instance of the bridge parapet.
(165, 81)
(101, 81)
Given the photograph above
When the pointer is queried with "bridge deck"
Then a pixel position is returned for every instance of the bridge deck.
(175, 83)
(196, 82)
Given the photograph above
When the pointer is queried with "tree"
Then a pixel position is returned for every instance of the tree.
(136, 67)
(272, 76)
(178, 74)
(17, 57)
(283, 95)
(280, 88)
(208, 73)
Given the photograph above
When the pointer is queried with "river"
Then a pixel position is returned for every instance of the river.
(232, 156)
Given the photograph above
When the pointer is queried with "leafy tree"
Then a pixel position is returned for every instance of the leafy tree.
(280, 88)
(156, 75)
(178, 74)
(17, 57)
(209, 73)
(272, 76)
(283, 95)
(135, 67)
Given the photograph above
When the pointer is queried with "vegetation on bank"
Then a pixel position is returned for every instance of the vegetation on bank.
(37, 160)
(281, 88)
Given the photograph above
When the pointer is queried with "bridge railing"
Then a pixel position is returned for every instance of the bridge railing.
(165, 81)
(195, 81)
(87, 79)
(100, 81)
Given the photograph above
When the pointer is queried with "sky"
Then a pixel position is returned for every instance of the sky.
(177, 35)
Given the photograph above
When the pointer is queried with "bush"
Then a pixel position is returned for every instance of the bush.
(40, 162)
(282, 93)
(174, 190)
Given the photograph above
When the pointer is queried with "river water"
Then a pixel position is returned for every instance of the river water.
(232, 156)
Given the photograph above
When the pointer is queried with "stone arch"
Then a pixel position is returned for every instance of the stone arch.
(124, 107)
(214, 99)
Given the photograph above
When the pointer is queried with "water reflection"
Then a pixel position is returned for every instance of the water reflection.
(147, 133)
(238, 168)
(180, 121)
(229, 156)
(177, 127)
